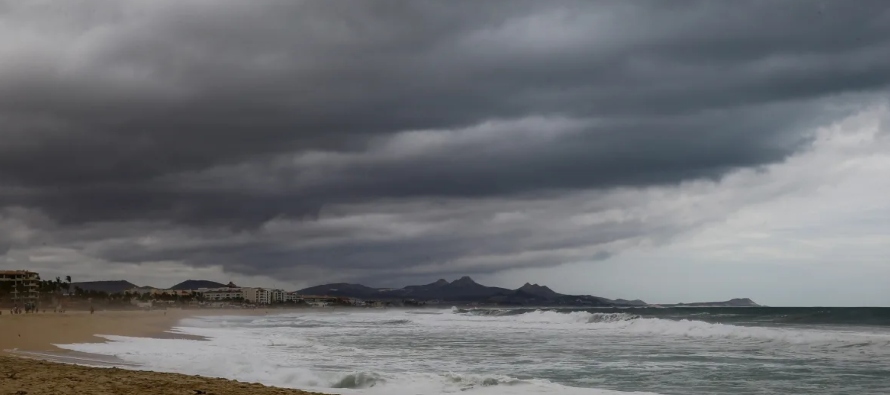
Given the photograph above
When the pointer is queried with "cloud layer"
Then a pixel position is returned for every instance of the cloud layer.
(394, 141)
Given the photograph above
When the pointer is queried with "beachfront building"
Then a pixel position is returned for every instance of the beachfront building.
(292, 297)
(141, 291)
(158, 292)
(175, 292)
(277, 296)
(23, 285)
(256, 295)
(375, 303)
(319, 301)
(218, 294)
(355, 302)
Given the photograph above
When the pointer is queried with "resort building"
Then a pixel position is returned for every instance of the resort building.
(142, 291)
(292, 297)
(277, 296)
(217, 294)
(256, 295)
(319, 301)
(157, 292)
(23, 285)
(175, 292)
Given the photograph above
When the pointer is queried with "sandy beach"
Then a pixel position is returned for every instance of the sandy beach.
(24, 337)
(22, 376)
(38, 332)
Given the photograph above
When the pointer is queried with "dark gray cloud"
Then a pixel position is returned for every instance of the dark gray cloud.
(220, 119)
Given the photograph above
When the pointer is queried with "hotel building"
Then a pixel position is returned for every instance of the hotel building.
(25, 285)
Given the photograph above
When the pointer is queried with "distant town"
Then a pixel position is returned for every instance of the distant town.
(26, 289)
(23, 289)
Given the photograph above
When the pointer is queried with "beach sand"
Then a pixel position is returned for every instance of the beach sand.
(31, 364)
(22, 376)
(38, 332)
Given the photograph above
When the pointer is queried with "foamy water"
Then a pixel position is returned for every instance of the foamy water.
(519, 352)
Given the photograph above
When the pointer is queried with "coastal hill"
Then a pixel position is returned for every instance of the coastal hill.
(738, 302)
(535, 289)
(340, 289)
(111, 287)
(466, 290)
(196, 284)
(121, 286)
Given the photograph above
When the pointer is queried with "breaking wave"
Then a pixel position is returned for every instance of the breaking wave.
(485, 351)
(359, 380)
(180, 356)
(631, 324)
(548, 315)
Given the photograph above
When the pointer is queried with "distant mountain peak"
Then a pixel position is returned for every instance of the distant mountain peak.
(196, 284)
(440, 281)
(464, 281)
(538, 290)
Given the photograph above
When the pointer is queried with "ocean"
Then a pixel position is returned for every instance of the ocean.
(533, 351)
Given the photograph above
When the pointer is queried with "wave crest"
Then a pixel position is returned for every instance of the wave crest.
(631, 324)
(359, 380)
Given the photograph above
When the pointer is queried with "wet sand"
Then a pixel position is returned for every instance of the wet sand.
(39, 332)
(33, 365)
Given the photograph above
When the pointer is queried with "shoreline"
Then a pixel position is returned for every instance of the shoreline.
(40, 332)
(39, 377)
(30, 361)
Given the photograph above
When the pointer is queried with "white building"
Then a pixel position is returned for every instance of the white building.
(257, 295)
(157, 292)
(216, 294)
(319, 301)
(277, 296)
(291, 297)
(23, 284)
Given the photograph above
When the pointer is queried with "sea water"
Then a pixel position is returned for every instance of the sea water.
(533, 351)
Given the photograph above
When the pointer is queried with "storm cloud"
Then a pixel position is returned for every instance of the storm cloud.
(395, 140)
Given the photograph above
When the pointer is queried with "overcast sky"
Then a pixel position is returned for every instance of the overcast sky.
(669, 151)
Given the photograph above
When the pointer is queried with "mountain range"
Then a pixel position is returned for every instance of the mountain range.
(466, 290)
(462, 290)
(196, 284)
(120, 286)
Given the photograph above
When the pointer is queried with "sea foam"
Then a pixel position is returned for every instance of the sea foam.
(489, 352)
(245, 359)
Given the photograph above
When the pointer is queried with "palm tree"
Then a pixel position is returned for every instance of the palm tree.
(39, 290)
(68, 285)
(18, 290)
